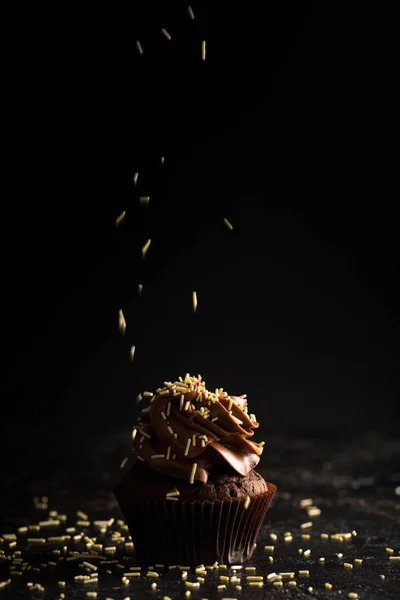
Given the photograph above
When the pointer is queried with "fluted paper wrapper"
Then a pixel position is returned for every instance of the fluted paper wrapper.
(192, 533)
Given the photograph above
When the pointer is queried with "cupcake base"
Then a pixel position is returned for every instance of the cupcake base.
(195, 528)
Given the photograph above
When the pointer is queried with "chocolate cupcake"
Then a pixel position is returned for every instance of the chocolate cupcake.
(193, 497)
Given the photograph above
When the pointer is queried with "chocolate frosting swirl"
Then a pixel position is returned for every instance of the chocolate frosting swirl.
(186, 425)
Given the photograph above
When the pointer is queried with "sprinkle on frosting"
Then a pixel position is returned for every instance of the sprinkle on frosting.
(190, 430)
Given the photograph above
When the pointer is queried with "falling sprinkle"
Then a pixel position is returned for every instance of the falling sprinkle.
(120, 219)
(247, 502)
(144, 200)
(121, 322)
(123, 463)
(194, 301)
(166, 34)
(190, 12)
(132, 352)
(135, 178)
(139, 47)
(228, 223)
(145, 248)
(203, 50)
(140, 288)
(162, 160)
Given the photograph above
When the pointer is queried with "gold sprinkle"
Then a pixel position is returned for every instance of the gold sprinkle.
(328, 586)
(306, 502)
(397, 490)
(228, 224)
(313, 511)
(89, 566)
(347, 565)
(304, 573)
(389, 550)
(358, 561)
(382, 577)
(145, 248)
(321, 559)
(307, 553)
(164, 416)
(352, 595)
(203, 50)
(192, 474)
(36, 541)
(287, 574)
(139, 47)
(168, 409)
(190, 12)
(292, 583)
(271, 576)
(247, 502)
(157, 456)
(189, 441)
(120, 219)
(121, 322)
(324, 536)
(123, 463)
(394, 558)
(309, 589)
(223, 578)
(277, 583)
(152, 574)
(194, 301)
(144, 200)
(354, 533)
(271, 560)
(258, 584)
(168, 453)
(306, 525)
(254, 578)
(166, 34)
(269, 548)
(171, 498)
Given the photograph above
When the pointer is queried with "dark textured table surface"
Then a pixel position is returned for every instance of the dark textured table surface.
(351, 480)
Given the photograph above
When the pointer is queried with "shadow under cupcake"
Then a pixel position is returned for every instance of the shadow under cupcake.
(194, 497)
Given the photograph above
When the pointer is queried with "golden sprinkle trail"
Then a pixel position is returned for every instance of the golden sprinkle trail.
(120, 219)
(203, 50)
(145, 248)
(123, 463)
(194, 301)
(190, 12)
(144, 200)
(135, 178)
(121, 322)
(228, 224)
(166, 34)
(140, 288)
(132, 353)
(139, 47)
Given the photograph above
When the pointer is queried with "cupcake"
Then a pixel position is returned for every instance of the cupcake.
(193, 496)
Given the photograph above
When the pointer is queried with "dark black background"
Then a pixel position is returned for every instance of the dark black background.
(289, 129)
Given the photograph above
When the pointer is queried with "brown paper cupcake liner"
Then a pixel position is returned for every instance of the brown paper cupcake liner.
(185, 533)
